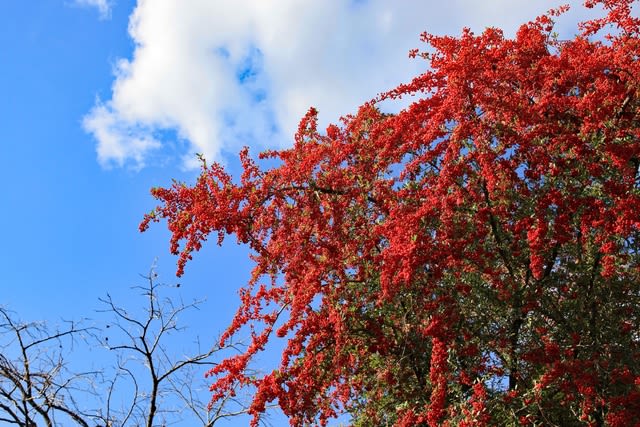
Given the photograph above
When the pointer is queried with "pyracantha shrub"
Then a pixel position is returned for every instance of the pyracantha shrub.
(471, 260)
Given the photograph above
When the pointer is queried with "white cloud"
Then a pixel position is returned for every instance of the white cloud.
(119, 139)
(225, 74)
(103, 6)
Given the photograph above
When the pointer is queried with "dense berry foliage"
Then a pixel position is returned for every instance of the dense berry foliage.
(472, 260)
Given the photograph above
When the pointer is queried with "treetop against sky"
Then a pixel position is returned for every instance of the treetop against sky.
(469, 260)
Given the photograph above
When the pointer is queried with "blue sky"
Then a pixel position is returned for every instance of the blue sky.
(102, 101)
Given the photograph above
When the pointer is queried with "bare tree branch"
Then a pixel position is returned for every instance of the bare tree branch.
(151, 383)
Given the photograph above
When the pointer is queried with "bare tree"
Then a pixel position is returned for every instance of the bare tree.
(166, 385)
(154, 381)
(36, 385)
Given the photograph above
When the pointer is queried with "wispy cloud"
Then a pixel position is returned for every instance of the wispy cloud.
(225, 74)
(103, 6)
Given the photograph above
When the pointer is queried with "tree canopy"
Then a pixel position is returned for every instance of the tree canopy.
(471, 260)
